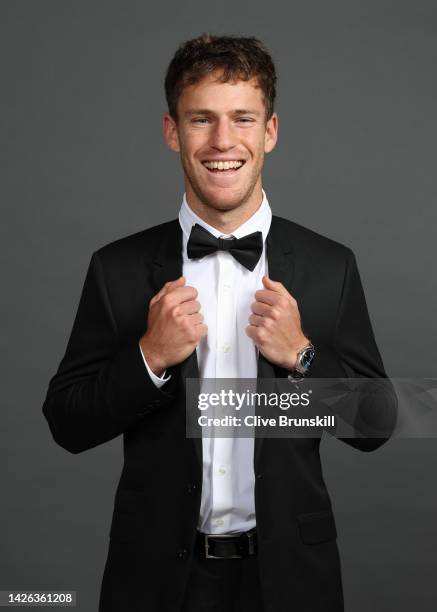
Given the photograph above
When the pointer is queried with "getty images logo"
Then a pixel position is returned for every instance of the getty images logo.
(237, 401)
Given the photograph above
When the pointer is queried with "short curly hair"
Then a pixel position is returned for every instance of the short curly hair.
(239, 58)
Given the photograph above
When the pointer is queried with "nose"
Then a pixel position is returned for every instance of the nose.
(222, 136)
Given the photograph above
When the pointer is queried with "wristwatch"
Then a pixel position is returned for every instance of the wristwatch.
(304, 360)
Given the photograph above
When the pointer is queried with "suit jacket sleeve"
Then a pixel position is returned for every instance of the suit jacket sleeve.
(101, 387)
(356, 349)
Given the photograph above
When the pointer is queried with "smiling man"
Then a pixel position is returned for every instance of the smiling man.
(226, 290)
(222, 130)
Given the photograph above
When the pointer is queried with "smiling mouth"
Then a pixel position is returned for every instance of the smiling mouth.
(224, 166)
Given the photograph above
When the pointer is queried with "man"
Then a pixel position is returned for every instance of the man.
(227, 290)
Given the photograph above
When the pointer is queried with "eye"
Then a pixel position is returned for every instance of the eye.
(200, 120)
(245, 119)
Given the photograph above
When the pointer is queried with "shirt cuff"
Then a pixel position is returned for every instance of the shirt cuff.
(158, 380)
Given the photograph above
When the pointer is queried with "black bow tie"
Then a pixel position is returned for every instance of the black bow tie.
(246, 250)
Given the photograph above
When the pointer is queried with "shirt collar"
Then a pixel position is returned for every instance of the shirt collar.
(259, 221)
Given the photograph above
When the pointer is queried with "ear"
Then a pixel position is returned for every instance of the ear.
(170, 131)
(271, 135)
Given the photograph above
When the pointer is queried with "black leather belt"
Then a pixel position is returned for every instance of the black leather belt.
(235, 546)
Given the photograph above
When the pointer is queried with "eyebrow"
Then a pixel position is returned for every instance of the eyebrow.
(206, 111)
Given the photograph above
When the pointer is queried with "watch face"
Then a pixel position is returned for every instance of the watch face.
(307, 358)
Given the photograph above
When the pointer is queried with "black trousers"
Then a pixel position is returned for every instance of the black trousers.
(223, 585)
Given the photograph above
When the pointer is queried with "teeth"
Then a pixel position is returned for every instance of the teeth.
(227, 165)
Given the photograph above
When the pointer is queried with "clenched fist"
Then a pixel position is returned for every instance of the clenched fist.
(275, 325)
(174, 326)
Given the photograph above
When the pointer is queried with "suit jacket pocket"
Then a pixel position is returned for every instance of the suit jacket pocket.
(317, 527)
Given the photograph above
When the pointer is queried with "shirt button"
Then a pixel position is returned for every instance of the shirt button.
(226, 285)
(222, 471)
(226, 348)
(192, 488)
(219, 522)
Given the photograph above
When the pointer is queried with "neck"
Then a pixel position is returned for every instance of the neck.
(225, 221)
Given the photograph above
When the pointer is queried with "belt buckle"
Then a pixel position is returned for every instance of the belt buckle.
(208, 556)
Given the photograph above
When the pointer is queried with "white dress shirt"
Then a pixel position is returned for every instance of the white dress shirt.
(226, 289)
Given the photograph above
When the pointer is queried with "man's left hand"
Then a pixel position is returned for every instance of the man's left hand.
(275, 325)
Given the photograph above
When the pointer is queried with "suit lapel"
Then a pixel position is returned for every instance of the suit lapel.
(280, 268)
(167, 265)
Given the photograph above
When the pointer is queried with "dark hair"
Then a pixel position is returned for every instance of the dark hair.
(239, 59)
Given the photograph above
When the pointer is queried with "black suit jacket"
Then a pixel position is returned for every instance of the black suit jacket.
(102, 389)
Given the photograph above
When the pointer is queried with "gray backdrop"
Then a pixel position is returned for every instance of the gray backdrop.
(84, 163)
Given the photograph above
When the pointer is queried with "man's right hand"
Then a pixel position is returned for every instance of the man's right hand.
(174, 326)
